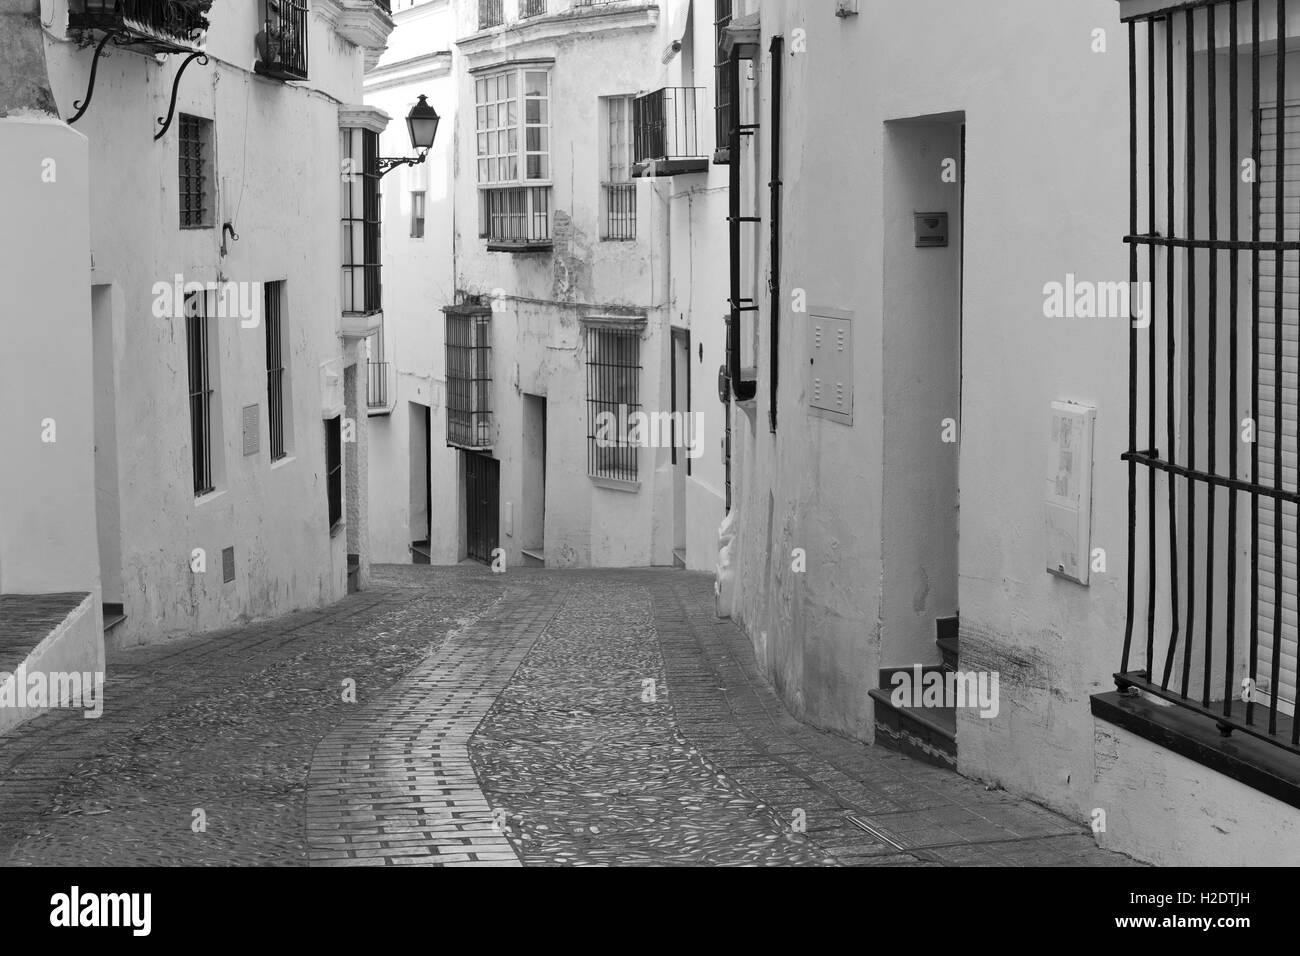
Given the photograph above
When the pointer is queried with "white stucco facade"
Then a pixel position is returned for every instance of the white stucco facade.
(901, 525)
(543, 300)
(273, 175)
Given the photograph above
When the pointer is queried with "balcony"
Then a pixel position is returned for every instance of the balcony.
(282, 42)
(515, 218)
(365, 23)
(666, 131)
(469, 376)
(151, 26)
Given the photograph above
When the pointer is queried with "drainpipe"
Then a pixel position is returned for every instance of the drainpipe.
(24, 81)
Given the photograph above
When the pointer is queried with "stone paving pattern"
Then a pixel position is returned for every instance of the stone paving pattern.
(499, 719)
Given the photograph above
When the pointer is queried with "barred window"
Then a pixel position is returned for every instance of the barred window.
(513, 149)
(469, 377)
(491, 13)
(361, 234)
(618, 191)
(198, 351)
(1212, 584)
(417, 213)
(724, 81)
(194, 172)
(273, 296)
(613, 396)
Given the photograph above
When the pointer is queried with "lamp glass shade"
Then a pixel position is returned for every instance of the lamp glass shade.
(422, 122)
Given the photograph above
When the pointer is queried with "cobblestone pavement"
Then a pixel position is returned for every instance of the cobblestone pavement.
(224, 723)
(498, 719)
(583, 753)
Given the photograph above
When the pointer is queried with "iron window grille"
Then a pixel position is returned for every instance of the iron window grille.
(198, 351)
(282, 44)
(273, 294)
(513, 132)
(334, 469)
(1191, 481)
(468, 333)
(516, 216)
(724, 77)
(613, 395)
(667, 124)
(362, 291)
(194, 178)
(491, 13)
(531, 8)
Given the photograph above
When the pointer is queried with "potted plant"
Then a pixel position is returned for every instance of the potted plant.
(187, 18)
(270, 40)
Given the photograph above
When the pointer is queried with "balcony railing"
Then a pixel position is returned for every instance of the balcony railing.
(160, 25)
(531, 8)
(666, 131)
(491, 13)
(515, 218)
(469, 376)
(376, 384)
(620, 211)
(282, 44)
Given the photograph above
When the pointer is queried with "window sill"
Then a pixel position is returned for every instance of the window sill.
(1259, 765)
(209, 496)
(656, 168)
(519, 247)
(616, 484)
(281, 462)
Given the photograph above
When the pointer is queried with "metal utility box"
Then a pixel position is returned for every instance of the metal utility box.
(830, 365)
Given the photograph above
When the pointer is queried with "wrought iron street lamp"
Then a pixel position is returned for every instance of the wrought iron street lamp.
(422, 124)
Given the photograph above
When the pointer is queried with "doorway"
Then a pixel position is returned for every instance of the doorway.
(421, 487)
(925, 184)
(482, 506)
(534, 479)
(108, 502)
(683, 436)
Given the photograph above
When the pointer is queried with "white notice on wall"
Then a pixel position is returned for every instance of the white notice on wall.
(1069, 490)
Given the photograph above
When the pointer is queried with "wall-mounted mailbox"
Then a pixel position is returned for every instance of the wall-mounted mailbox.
(1069, 491)
(931, 229)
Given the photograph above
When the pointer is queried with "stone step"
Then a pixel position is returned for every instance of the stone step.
(927, 733)
(114, 614)
(679, 558)
(44, 633)
(946, 630)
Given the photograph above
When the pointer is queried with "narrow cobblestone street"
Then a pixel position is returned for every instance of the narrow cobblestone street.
(537, 717)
